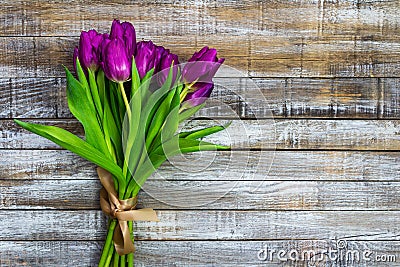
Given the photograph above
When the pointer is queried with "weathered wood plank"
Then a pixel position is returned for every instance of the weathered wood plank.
(255, 134)
(5, 98)
(191, 253)
(303, 38)
(263, 195)
(294, 98)
(43, 57)
(227, 253)
(294, 18)
(32, 97)
(390, 98)
(286, 166)
(307, 192)
(50, 253)
(323, 56)
(210, 225)
(297, 98)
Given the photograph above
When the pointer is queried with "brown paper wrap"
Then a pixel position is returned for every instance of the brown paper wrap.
(123, 211)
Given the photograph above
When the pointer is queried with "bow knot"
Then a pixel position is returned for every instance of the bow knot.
(122, 210)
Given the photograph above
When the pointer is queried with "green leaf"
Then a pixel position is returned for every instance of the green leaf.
(74, 144)
(203, 132)
(147, 78)
(188, 146)
(150, 104)
(135, 104)
(177, 145)
(112, 134)
(83, 109)
(189, 112)
(129, 136)
(81, 74)
(168, 149)
(116, 103)
(159, 118)
(95, 94)
(145, 118)
(101, 85)
(161, 110)
(171, 122)
(135, 78)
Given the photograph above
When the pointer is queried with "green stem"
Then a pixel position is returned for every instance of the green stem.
(183, 93)
(129, 114)
(109, 256)
(130, 255)
(116, 260)
(128, 109)
(106, 248)
(122, 261)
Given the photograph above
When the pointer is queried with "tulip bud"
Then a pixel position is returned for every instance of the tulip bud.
(202, 92)
(146, 56)
(197, 74)
(202, 66)
(88, 52)
(116, 63)
(126, 32)
(165, 65)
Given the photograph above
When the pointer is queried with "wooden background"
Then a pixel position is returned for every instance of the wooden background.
(330, 71)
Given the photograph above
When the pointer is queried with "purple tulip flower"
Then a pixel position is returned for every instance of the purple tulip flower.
(202, 91)
(88, 52)
(202, 66)
(149, 55)
(200, 70)
(116, 63)
(146, 57)
(126, 32)
(164, 67)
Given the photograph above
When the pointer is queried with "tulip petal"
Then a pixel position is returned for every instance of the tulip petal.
(116, 29)
(200, 95)
(116, 63)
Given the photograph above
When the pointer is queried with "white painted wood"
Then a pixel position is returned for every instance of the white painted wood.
(285, 166)
(329, 71)
(221, 195)
(255, 134)
(189, 253)
(205, 225)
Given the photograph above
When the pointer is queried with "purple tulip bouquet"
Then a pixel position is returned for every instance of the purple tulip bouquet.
(130, 98)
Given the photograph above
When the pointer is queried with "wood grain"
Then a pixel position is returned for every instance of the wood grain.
(390, 100)
(5, 98)
(254, 134)
(210, 225)
(323, 56)
(43, 57)
(292, 98)
(329, 72)
(319, 98)
(240, 195)
(35, 165)
(193, 253)
(341, 18)
(358, 39)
